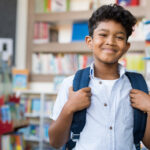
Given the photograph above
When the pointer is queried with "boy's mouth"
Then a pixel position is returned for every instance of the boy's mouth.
(109, 50)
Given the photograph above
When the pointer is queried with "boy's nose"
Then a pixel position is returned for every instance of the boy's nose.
(110, 40)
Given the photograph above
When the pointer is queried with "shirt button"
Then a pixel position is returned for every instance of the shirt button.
(110, 127)
(100, 82)
(105, 104)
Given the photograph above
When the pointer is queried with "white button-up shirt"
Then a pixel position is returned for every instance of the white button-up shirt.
(109, 119)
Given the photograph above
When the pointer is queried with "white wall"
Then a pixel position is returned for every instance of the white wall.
(21, 37)
(21, 27)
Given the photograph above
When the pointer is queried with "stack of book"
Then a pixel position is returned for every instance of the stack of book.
(59, 63)
(134, 62)
(12, 142)
(128, 2)
(51, 6)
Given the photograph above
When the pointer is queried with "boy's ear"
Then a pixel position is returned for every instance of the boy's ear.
(89, 42)
(127, 47)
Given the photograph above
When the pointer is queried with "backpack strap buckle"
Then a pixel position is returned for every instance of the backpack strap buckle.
(137, 146)
(74, 137)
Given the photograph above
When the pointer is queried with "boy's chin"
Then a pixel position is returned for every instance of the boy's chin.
(109, 62)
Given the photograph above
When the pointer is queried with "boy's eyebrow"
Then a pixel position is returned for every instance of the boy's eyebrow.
(120, 32)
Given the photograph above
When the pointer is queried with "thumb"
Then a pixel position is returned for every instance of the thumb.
(71, 89)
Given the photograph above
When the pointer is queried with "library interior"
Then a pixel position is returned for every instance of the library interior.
(41, 43)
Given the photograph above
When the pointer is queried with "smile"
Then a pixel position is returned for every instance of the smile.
(108, 50)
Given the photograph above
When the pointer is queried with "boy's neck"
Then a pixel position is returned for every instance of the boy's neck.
(106, 71)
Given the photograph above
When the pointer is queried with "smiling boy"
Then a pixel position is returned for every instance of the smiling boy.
(109, 98)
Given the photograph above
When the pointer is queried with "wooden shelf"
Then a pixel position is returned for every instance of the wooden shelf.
(74, 47)
(32, 92)
(20, 124)
(77, 47)
(137, 46)
(32, 115)
(79, 15)
(32, 139)
(42, 77)
(63, 16)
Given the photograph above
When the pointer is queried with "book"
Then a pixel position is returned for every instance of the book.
(135, 62)
(79, 31)
(80, 5)
(42, 6)
(47, 5)
(59, 63)
(39, 6)
(36, 63)
(5, 114)
(36, 106)
(41, 33)
(53, 34)
(58, 5)
(20, 79)
(128, 2)
(65, 30)
(57, 82)
(48, 108)
(104, 2)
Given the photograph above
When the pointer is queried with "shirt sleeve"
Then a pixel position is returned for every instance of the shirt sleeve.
(62, 97)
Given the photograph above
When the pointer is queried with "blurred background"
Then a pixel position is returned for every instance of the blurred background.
(41, 43)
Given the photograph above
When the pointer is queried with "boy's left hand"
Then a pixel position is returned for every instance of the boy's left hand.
(140, 100)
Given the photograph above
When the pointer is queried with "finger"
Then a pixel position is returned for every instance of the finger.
(86, 89)
(89, 94)
(132, 95)
(133, 105)
(134, 91)
(89, 98)
(132, 100)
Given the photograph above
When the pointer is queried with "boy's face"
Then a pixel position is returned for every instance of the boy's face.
(109, 42)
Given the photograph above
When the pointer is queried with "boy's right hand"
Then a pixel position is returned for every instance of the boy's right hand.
(79, 100)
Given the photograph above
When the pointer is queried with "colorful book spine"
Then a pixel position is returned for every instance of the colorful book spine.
(5, 114)
(41, 32)
(12, 142)
(60, 63)
(128, 2)
(79, 31)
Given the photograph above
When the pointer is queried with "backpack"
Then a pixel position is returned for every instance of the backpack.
(81, 80)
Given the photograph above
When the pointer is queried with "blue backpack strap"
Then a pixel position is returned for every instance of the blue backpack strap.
(81, 80)
(137, 82)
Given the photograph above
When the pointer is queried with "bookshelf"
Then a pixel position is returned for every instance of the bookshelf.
(11, 120)
(77, 47)
(80, 15)
(73, 47)
(9, 123)
(55, 48)
(39, 119)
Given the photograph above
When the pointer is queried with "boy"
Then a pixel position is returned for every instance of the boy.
(109, 99)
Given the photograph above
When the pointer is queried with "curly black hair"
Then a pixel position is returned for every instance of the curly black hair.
(112, 12)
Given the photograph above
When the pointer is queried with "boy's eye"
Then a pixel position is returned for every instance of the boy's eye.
(102, 34)
(120, 37)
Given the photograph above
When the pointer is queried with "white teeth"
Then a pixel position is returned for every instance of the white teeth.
(109, 50)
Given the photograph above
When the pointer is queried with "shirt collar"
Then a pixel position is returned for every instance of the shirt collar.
(121, 69)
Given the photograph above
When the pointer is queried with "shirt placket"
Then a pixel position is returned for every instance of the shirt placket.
(108, 116)
(112, 110)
